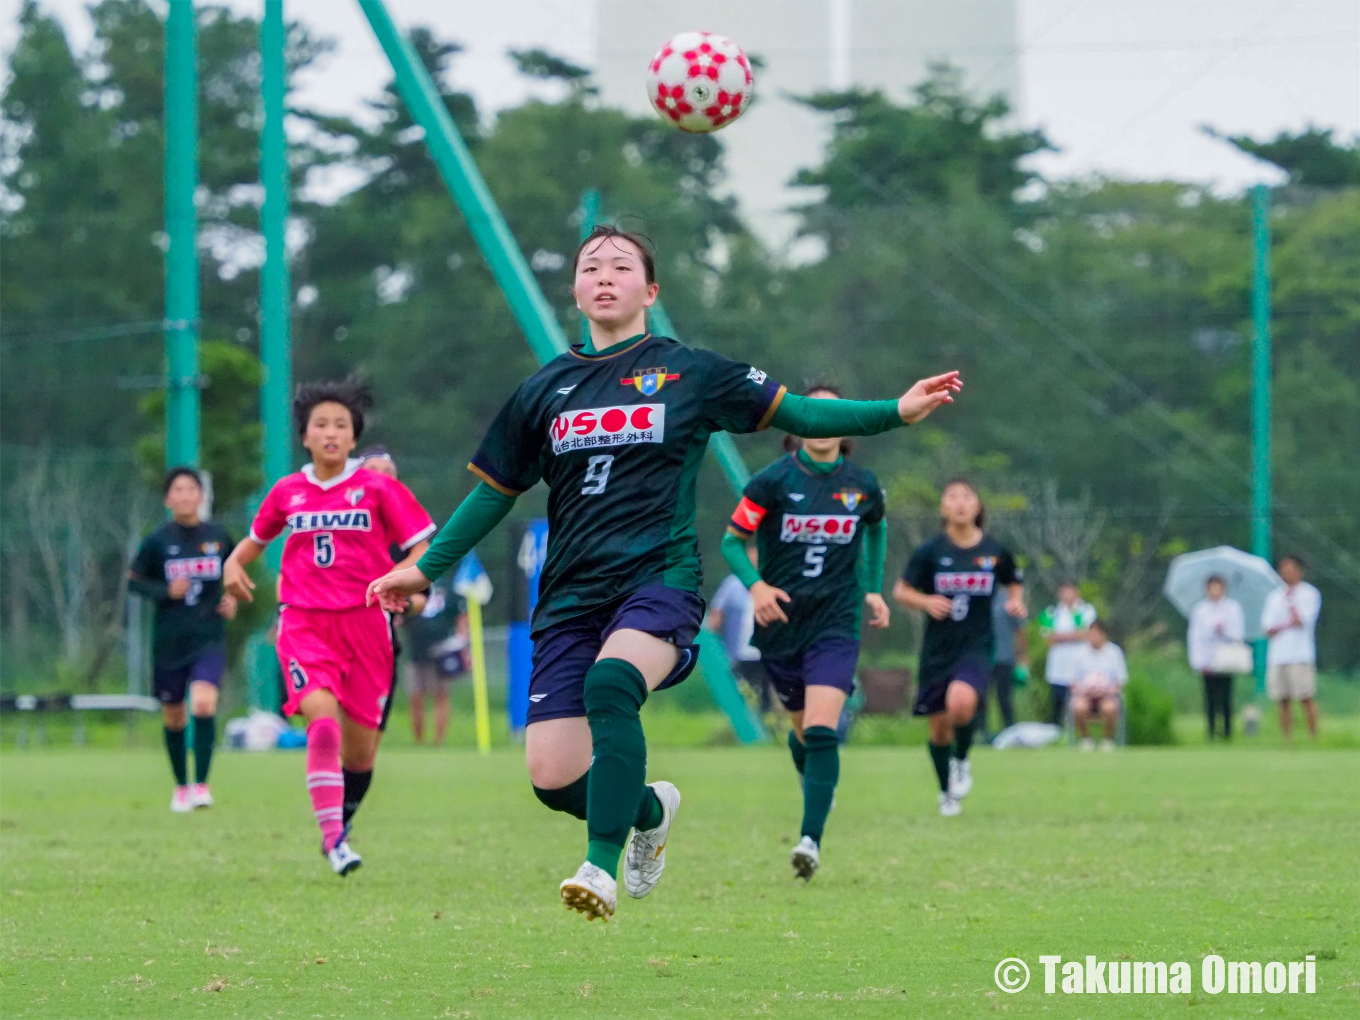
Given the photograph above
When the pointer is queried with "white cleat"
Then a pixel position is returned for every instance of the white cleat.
(343, 859)
(644, 858)
(949, 806)
(960, 777)
(805, 858)
(1107, 745)
(180, 801)
(1087, 744)
(591, 891)
(200, 795)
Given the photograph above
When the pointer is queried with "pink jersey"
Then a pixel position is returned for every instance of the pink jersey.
(342, 533)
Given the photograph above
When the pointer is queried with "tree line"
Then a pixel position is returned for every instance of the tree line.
(1102, 325)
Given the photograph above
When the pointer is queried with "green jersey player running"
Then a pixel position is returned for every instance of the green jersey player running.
(617, 428)
(819, 526)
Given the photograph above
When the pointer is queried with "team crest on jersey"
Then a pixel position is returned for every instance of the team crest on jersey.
(354, 495)
(850, 498)
(649, 380)
(984, 562)
(210, 548)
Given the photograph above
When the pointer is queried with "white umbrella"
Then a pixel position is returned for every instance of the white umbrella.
(1249, 579)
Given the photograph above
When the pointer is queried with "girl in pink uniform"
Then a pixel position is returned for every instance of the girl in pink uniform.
(335, 652)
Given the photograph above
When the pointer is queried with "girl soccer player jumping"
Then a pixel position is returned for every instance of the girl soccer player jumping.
(618, 428)
(812, 513)
(953, 579)
(335, 650)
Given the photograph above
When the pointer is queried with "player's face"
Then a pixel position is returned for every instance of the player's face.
(183, 497)
(611, 285)
(1215, 590)
(1290, 572)
(330, 433)
(960, 505)
(822, 448)
(1097, 638)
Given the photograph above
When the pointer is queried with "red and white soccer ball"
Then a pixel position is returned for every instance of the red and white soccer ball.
(700, 81)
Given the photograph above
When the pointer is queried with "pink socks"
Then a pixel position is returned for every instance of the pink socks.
(324, 780)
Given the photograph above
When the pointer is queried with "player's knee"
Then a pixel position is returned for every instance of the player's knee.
(613, 686)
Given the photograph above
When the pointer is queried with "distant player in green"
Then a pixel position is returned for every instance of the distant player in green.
(618, 429)
(953, 578)
(818, 520)
(179, 568)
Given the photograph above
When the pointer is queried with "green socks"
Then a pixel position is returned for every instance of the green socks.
(614, 694)
(963, 739)
(821, 770)
(799, 751)
(939, 757)
(571, 799)
(205, 736)
(179, 763)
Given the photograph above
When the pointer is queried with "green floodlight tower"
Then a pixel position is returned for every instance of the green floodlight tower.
(1261, 519)
(181, 230)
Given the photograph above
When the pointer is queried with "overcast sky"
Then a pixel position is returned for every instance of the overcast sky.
(1121, 86)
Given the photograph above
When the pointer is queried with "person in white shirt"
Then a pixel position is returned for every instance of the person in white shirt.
(1290, 621)
(1215, 621)
(731, 615)
(1099, 674)
(1064, 631)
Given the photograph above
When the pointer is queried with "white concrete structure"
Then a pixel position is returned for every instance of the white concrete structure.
(807, 46)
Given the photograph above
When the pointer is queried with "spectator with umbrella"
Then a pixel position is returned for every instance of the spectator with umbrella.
(1215, 644)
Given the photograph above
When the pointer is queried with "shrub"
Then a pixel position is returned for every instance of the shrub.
(1149, 711)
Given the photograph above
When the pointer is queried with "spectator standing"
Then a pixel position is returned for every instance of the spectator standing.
(436, 646)
(1064, 628)
(1289, 620)
(1008, 650)
(732, 616)
(1099, 674)
(1216, 621)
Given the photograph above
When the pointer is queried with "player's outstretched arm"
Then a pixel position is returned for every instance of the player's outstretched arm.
(816, 418)
(474, 519)
(234, 576)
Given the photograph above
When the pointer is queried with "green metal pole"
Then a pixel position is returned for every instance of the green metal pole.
(181, 228)
(276, 346)
(1260, 394)
(720, 443)
(527, 303)
(590, 215)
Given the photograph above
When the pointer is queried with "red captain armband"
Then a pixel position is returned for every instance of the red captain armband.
(747, 516)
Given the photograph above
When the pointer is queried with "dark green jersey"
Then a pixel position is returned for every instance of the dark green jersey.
(619, 438)
(809, 527)
(184, 627)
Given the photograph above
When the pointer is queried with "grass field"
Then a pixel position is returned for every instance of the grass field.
(111, 906)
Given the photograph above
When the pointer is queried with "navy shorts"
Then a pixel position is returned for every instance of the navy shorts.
(565, 651)
(829, 662)
(171, 685)
(972, 670)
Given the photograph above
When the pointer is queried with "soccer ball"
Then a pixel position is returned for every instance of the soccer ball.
(700, 81)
